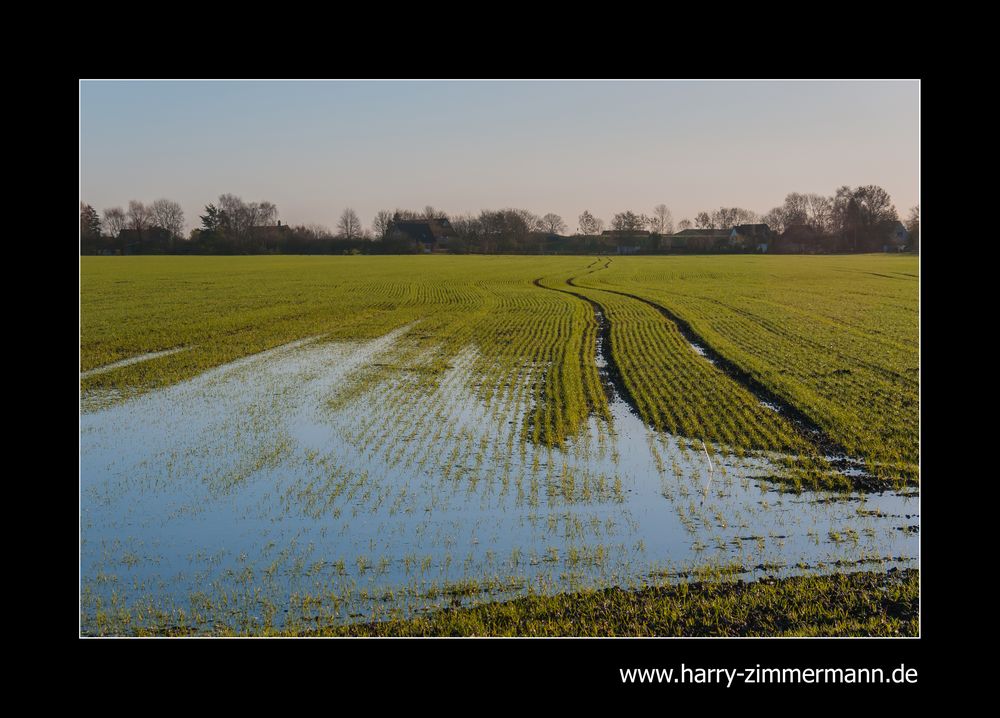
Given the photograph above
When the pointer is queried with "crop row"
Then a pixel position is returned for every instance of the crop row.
(838, 343)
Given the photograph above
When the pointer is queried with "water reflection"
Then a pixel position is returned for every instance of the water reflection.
(252, 495)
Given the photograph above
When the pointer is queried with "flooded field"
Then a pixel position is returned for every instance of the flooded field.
(321, 481)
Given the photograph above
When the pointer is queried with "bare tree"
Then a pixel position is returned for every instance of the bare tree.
(775, 219)
(875, 205)
(230, 204)
(684, 224)
(114, 221)
(506, 229)
(349, 226)
(663, 221)
(169, 215)
(267, 213)
(844, 210)
(588, 223)
(859, 215)
(466, 226)
(431, 213)
(598, 226)
(382, 223)
(238, 218)
(522, 221)
(729, 217)
(703, 221)
(820, 212)
(138, 217)
(317, 231)
(796, 209)
(235, 216)
(553, 224)
(628, 222)
(722, 218)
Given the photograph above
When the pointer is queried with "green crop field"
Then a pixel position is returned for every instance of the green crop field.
(494, 403)
(833, 337)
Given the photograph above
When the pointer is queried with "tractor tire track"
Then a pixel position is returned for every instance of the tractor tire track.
(828, 447)
(610, 374)
(854, 469)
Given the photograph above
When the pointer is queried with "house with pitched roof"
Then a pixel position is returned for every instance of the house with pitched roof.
(429, 235)
(751, 236)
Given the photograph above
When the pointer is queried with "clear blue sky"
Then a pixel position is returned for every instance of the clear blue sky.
(314, 148)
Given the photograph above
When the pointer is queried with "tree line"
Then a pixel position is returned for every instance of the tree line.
(850, 220)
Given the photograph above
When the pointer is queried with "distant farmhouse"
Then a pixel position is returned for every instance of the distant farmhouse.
(699, 239)
(741, 238)
(266, 229)
(429, 235)
(751, 236)
(629, 241)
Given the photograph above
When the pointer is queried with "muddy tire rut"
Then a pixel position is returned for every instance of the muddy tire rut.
(610, 374)
(809, 430)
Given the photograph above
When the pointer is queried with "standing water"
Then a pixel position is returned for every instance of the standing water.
(310, 483)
